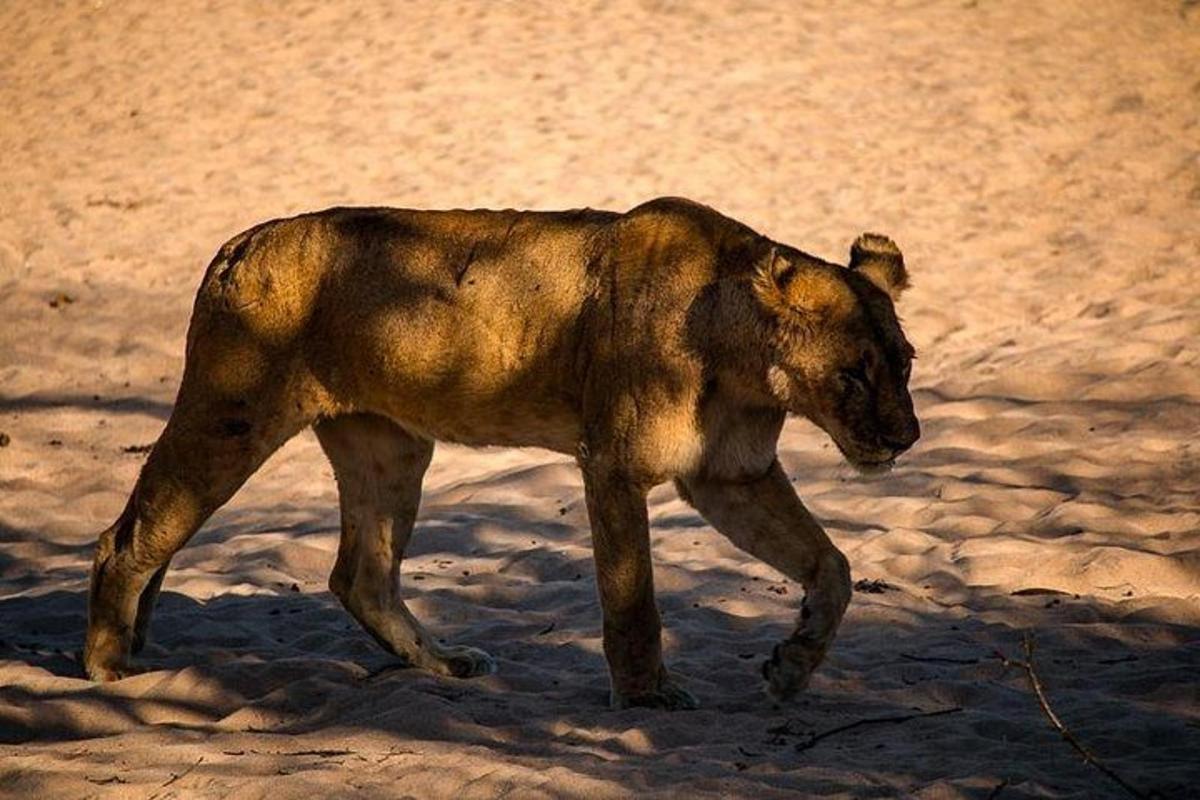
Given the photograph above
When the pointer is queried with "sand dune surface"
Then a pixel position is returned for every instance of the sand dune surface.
(1040, 167)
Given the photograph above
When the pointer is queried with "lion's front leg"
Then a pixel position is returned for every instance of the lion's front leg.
(765, 518)
(625, 579)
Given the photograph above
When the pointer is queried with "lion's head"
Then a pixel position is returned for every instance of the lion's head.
(838, 355)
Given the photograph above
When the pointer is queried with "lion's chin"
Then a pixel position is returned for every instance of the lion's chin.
(868, 467)
(871, 469)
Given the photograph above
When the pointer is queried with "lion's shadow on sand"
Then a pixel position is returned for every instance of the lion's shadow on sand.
(294, 663)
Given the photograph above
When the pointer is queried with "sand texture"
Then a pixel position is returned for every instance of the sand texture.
(1039, 163)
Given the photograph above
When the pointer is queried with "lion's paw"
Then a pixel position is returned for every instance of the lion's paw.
(791, 664)
(464, 662)
(669, 696)
(107, 673)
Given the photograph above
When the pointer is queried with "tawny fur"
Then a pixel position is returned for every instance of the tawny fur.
(665, 343)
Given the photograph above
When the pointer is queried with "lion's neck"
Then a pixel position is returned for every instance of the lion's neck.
(738, 341)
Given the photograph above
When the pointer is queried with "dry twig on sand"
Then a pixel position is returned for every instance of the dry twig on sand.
(176, 776)
(810, 740)
(937, 659)
(1036, 684)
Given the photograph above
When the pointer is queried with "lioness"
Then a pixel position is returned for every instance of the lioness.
(665, 343)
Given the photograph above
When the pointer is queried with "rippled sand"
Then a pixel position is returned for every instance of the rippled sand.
(1039, 167)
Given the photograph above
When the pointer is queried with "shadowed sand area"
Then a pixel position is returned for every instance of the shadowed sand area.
(1040, 168)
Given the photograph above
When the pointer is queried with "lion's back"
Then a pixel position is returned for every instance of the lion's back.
(473, 325)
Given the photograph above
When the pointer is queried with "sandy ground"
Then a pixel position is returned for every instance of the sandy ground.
(1038, 163)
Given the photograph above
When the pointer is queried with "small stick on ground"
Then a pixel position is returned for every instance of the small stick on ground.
(174, 777)
(1036, 684)
(938, 659)
(813, 738)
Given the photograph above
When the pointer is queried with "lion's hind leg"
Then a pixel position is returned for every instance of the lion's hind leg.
(379, 468)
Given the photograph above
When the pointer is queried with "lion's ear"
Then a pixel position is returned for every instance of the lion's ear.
(787, 284)
(772, 274)
(779, 269)
(879, 260)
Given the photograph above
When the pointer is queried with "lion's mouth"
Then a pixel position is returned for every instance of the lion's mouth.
(868, 466)
(873, 467)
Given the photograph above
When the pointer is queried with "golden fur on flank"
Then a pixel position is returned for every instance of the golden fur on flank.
(667, 343)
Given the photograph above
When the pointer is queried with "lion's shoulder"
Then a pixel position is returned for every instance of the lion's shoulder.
(683, 228)
(680, 213)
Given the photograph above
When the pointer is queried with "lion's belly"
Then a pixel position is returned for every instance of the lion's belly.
(506, 423)
(466, 413)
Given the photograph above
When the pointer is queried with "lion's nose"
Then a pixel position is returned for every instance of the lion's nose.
(903, 440)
